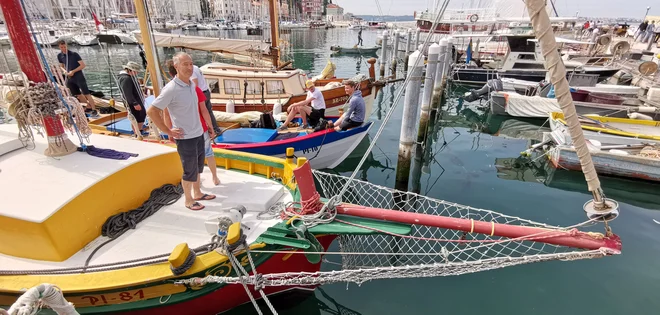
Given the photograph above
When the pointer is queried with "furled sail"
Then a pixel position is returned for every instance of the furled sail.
(233, 46)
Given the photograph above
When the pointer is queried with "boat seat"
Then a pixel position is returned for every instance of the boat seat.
(246, 135)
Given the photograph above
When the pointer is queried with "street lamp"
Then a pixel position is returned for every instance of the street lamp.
(647, 13)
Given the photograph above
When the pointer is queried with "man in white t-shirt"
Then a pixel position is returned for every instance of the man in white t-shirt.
(312, 109)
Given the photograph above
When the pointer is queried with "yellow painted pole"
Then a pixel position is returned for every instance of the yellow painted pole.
(274, 32)
(149, 46)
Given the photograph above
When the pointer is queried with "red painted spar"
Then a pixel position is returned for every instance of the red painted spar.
(573, 238)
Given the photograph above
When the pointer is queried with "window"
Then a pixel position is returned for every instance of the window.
(526, 57)
(274, 87)
(214, 85)
(527, 66)
(232, 87)
(254, 88)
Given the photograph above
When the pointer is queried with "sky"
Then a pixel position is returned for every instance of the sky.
(592, 8)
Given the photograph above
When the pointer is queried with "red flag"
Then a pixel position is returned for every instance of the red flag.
(98, 23)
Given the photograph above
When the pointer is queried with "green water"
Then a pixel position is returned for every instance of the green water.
(471, 166)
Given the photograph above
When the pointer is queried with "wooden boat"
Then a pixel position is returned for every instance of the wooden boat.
(323, 149)
(355, 50)
(265, 88)
(608, 130)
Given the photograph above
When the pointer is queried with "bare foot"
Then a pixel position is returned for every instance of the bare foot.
(216, 181)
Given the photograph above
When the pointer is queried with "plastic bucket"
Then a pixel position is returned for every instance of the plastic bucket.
(605, 98)
(580, 95)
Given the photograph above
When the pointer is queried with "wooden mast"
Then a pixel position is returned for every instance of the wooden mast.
(149, 46)
(274, 32)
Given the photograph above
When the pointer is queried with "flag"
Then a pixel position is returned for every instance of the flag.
(468, 52)
(99, 25)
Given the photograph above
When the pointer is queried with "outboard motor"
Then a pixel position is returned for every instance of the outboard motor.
(490, 86)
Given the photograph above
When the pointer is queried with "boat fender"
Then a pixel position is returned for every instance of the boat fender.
(230, 107)
(277, 108)
(474, 18)
(181, 259)
(640, 116)
(646, 109)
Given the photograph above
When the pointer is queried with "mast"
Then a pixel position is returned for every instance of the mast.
(149, 46)
(274, 32)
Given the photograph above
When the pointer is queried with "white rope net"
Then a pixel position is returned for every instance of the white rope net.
(437, 251)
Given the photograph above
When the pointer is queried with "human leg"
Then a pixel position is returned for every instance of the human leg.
(188, 154)
(82, 83)
(209, 107)
(210, 159)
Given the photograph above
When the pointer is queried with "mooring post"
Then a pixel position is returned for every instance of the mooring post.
(409, 119)
(449, 63)
(408, 42)
(429, 80)
(439, 75)
(383, 58)
(417, 37)
(395, 54)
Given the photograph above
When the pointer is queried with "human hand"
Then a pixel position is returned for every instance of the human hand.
(137, 107)
(70, 74)
(212, 133)
(175, 133)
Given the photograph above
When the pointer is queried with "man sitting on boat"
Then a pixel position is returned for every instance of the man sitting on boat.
(180, 98)
(313, 113)
(130, 89)
(354, 116)
(72, 65)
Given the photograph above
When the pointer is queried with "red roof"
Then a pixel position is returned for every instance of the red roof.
(333, 6)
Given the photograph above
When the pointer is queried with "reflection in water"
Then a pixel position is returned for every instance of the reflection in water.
(352, 161)
(538, 169)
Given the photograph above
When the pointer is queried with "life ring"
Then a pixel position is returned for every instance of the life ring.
(474, 18)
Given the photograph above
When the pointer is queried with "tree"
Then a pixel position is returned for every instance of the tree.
(325, 4)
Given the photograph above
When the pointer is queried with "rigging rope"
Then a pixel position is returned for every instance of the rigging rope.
(396, 102)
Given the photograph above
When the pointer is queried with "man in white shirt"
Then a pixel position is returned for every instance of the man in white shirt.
(314, 112)
(200, 81)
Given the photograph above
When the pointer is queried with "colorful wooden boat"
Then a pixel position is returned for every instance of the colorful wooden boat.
(323, 149)
(608, 129)
(50, 239)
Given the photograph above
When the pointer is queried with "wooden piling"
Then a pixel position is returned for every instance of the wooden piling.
(395, 54)
(429, 83)
(409, 119)
(406, 56)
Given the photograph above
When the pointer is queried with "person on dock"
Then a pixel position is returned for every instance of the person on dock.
(641, 30)
(133, 97)
(656, 32)
(200, 81)
(354, 116)
(648, 34)
(180, 98)
(208, 149)
(72, 65)
(359, 37)
(310, 115)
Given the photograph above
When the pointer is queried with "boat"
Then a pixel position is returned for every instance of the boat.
(266, 232)
(355, 50)
(514, 104)
(615, 131)
(323, 149)
(86, 39)
(116, 36)
(523, 62)
(357, 27)
(643, 194)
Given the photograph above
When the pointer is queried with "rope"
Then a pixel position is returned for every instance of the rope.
(395, 104)
(30, 302)
(190, 260)
(118, 224)
(50, 74)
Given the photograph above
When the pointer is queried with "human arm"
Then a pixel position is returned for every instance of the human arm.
(129, 92)
(348, 113)
(167, 118)
(207, 118)
(155, 113)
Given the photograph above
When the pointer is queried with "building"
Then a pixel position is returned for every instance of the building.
(312, 9)
(232, 10)
(334, 12)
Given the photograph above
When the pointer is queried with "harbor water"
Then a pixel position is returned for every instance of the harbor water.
(474, 159)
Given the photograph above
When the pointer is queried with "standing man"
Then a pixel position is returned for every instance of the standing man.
(130, 89)
(641, 30)
(200, 81)
(354, 116)
(72, 65)
(313, 113)
(180, 98)
(648, 35)
(360, 37)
